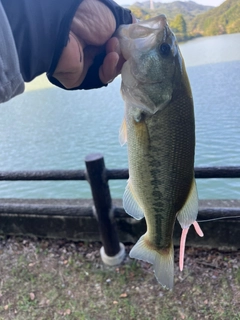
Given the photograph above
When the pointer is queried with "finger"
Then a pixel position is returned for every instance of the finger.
(113, 46)
(113, 61)
(108, 70)
(134, 19)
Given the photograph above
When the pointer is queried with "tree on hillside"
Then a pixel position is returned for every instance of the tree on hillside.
(179, 24)
(139, 13)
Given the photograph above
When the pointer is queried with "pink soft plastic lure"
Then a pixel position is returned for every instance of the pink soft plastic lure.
(183, 241)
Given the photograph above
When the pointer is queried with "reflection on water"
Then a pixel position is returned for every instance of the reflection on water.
(208, 50)
(55, 129)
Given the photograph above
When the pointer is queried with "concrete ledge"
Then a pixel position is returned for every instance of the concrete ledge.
(74, 219)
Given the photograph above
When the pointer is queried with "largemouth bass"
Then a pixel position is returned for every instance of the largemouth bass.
(159, 130)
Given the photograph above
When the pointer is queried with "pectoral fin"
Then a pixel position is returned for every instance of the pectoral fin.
(130, 203)
(123, 133)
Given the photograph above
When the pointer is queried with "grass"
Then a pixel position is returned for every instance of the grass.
(53, 280)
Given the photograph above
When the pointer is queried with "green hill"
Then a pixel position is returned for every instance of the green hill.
(189, 9)
(189, 19)
(220, 20)
(179, 14)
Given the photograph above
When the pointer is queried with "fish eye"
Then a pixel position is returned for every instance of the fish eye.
(165, 49)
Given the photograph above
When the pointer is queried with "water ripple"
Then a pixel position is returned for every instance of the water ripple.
(54, 129)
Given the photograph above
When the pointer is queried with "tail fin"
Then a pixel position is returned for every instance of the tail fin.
(163, 262)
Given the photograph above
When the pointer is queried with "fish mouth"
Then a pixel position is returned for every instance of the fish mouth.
(141, 28)
(143, 35)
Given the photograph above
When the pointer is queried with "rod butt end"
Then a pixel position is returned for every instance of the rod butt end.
(115, 260)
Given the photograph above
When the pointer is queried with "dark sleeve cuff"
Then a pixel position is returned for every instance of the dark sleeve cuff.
(91, 81)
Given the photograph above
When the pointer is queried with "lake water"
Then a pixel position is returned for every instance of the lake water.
(54, 129)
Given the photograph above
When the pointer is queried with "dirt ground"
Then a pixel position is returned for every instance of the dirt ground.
(55, 279)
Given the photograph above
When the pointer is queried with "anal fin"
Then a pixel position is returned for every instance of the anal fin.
(188, 214)
(186, 217)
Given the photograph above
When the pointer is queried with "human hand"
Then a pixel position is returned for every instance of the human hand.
(91, 34)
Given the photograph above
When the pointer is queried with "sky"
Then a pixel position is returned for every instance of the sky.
(204, 2)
